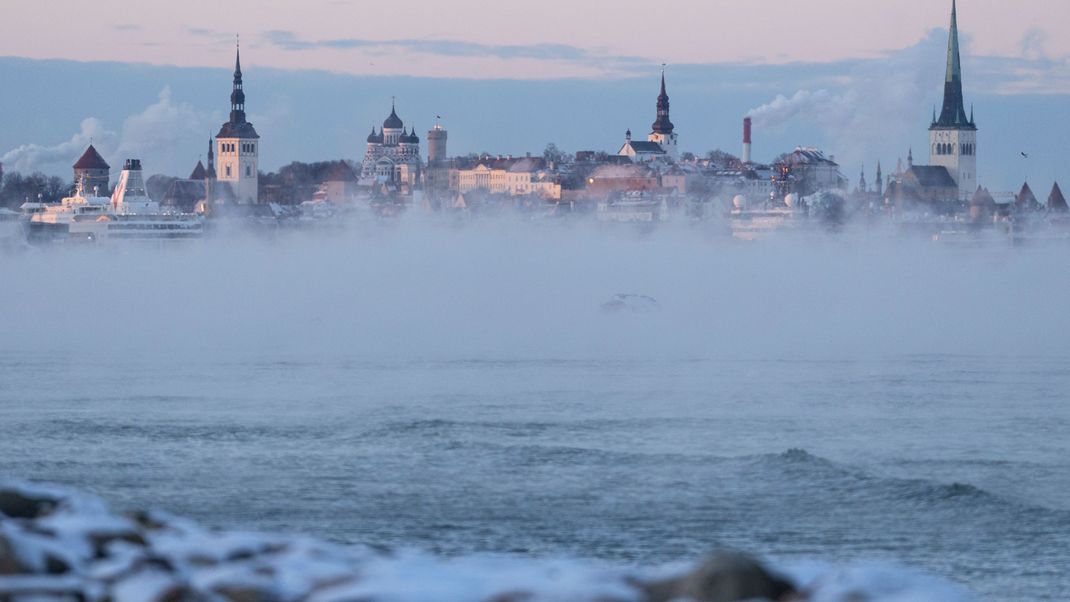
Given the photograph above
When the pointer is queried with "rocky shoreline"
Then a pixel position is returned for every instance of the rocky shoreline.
(60, 544)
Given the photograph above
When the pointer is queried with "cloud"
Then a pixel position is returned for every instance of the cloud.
(31, 157)
(875, 100)
(211, 34)
(288, 40)
(161, 125)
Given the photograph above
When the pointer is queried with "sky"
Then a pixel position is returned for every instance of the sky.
(549, 39)
(858, 79)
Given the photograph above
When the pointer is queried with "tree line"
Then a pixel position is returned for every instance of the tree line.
(17, 188)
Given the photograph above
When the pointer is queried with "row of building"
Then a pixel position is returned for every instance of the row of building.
(392, 168)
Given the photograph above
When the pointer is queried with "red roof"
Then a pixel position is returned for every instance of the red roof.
(198, 172)
(341, 172)
(91, 159)
(1056, 200)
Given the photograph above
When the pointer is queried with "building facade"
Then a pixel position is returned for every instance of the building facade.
(512, 177)
(238, 146)
(953, 135)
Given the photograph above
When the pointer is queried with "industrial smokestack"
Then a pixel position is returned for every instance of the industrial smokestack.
(746, 139)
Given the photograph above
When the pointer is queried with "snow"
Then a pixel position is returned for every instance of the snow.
(161, 555)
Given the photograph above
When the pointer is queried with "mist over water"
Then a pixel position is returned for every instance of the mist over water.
(460, 389)
(495, 289)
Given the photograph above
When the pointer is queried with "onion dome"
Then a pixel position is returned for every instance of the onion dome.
(393, 122)
(373, 137)
(413, 137)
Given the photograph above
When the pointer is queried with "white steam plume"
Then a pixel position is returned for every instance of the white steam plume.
(810, 104)
(31, 157)
(160, 127)
(880, 106)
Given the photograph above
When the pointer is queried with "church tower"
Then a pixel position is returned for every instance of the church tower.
(238, 146)
(662, 129)
(953, 135)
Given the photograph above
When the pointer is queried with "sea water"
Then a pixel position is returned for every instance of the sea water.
(822, 406)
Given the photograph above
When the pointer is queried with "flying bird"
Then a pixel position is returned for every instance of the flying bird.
(1025, 155)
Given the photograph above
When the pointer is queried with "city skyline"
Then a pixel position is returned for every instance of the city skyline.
(862, 111)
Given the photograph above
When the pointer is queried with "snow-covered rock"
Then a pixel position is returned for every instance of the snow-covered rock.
(60, 544)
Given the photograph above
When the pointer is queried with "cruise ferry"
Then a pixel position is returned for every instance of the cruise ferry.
(129, 214)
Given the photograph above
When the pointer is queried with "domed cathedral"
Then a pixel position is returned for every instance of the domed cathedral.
(662, 130)
(392, 156)
(953, 135)
(238, 145)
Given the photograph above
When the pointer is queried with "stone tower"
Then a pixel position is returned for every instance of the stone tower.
(93, 172)
(436, 144)
(238, 146)
(953, 135)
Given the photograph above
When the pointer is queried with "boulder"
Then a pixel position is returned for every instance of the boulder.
(9, 562)
(723, 577)
(20, 504)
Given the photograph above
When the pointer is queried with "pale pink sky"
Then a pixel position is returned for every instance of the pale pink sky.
(549, 38)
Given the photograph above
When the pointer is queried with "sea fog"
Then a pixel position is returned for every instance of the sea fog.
(830, 398)
(502, 289)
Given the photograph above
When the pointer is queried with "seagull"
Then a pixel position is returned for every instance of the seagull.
(1025, 155)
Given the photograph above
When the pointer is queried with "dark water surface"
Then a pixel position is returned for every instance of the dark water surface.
(957, 465)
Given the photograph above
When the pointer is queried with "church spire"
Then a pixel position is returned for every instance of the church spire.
(953, 113)
(662, 125)
(954, 66)
(237, 59)
(210, 168)
(237, 95)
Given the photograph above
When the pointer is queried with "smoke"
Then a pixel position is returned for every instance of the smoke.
(32, 157)
(158, 129)
(878, 109)
(820, 104)
(161, 125)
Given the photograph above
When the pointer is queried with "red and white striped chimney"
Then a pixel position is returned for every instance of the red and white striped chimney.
(746, 139)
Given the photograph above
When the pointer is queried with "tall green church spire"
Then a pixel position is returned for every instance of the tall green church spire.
(953, 114)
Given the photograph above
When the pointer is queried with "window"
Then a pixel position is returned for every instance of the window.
(248, 171)
(228, 171)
